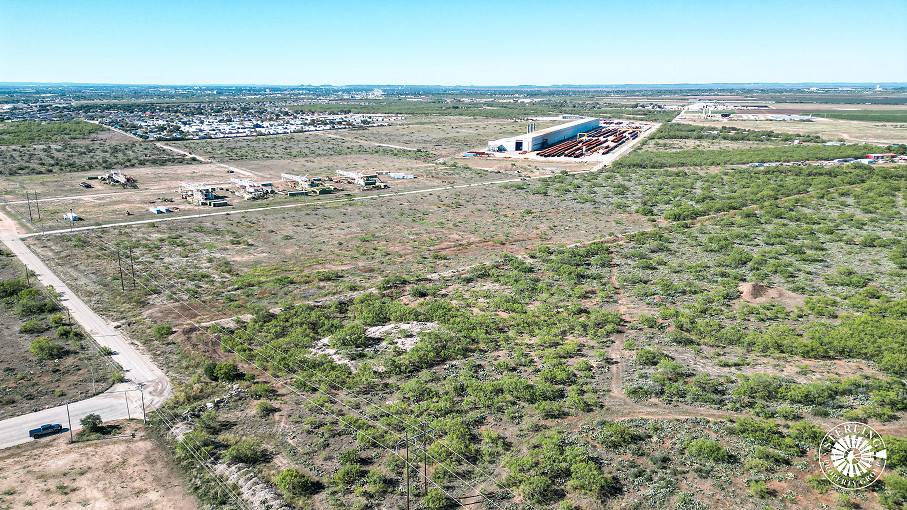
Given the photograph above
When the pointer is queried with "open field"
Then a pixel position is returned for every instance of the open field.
(96, 157)
(118, 473)
(407, 234)
(29, 133)
(624, 338)
(517, 318)
(852, 131)
(866, 115)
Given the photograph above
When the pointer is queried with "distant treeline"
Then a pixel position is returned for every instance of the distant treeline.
(691, 132)
(866, 115)
(32, 132)
(839, 98)
(489, 110)
(699, 157)
(82, 157)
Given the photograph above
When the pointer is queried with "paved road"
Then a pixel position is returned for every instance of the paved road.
(122, 400)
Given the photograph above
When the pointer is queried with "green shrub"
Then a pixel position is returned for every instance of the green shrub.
(351, 335)
(615, 436)
(222, 371)
(295, 483)
(264, 409)
(262, 390)
(760, 490)
(10, 288)
(437, 500)
(246, 451)
(587, 477)
(706, 449)
(91, 423)
(895, 495)
(348, 475)
(650, 357)
(392, 282)
(45, 348)
(32, 326)
(350, 457)
(161, 331)
(537, 489)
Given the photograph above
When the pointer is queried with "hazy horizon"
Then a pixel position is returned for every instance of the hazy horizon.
(528, 42)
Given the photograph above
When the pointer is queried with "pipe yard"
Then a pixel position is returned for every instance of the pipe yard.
(600, 140)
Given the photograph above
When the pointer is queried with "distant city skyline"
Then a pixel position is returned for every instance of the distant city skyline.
(468, 43)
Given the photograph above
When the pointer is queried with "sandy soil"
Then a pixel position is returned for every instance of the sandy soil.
(51, 473)
(758, 293)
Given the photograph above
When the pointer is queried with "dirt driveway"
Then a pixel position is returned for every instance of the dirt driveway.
(118, 473)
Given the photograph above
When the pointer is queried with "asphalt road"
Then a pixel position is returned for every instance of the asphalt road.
(144, 380)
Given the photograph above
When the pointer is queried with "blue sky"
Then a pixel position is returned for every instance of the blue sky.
(463, 42)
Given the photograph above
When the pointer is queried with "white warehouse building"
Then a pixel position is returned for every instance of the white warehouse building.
(538, 140)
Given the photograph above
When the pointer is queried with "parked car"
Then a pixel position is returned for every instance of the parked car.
(84, 184)
(44, 430)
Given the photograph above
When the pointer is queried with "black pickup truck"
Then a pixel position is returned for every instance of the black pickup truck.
(45, 430)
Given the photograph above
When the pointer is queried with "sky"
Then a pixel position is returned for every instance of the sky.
(460, 42)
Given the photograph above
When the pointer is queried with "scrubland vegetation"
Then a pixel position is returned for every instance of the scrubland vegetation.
(690, 353)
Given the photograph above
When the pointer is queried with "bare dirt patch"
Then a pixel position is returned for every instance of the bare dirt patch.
(759, 293)
(51, 473)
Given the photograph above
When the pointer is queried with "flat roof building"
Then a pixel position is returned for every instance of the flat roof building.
(538, 140)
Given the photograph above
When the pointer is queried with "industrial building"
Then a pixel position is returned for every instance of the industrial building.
(201, 194)
(366, 180)
(250, 190)
(539, 140)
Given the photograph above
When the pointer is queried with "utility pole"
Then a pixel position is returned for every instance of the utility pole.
(132, 266)
(120, 264)
(36, 206)
(424, 429)
(26, 274)
(126, 396)
(144, 417)
(406, 438)
(69, 420)
(424, 463)
(28, 204)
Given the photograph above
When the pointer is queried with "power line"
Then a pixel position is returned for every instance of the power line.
(238, 500)
(274, 363)
(338, 418)
(371, 421)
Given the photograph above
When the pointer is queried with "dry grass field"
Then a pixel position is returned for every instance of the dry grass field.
(832, 129)
(622, 338)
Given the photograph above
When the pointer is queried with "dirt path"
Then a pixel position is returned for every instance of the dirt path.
(243, 171)
(8, 225)
(366, 142)
(144, 379)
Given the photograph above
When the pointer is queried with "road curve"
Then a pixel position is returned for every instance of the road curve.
(144, 379)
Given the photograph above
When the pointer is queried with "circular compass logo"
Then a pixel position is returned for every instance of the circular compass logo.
(852, 455)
